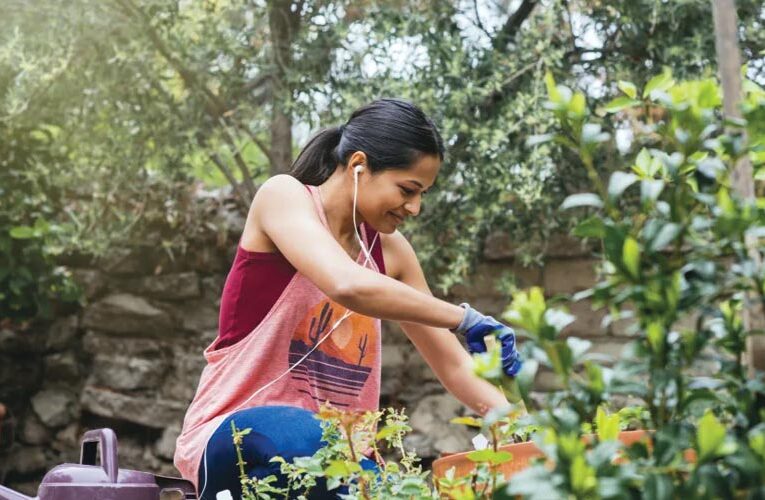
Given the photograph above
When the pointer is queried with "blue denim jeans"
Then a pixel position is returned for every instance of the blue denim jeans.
(283, 431)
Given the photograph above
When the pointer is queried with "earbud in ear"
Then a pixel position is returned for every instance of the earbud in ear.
(357, 169)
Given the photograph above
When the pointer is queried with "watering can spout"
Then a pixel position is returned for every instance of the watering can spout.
(9, 494)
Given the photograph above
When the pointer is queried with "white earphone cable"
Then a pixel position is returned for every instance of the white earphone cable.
(367, 258)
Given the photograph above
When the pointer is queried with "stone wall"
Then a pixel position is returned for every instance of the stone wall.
(130, 359)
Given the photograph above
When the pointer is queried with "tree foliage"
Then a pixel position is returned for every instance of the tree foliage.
(162, 92)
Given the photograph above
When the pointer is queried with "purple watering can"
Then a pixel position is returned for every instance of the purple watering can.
(88, 481)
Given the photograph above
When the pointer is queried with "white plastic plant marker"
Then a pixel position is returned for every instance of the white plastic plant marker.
(224, 495)
(480, 442)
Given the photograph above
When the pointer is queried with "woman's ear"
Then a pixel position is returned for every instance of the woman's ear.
(357, 163)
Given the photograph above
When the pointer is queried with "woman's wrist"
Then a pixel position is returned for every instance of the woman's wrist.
(458, 316)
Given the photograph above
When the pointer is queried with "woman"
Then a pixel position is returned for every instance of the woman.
(319, 261)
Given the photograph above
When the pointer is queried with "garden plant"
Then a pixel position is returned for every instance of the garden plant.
(678, 272)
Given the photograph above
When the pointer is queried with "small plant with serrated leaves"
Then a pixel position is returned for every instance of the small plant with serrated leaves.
(350, 463)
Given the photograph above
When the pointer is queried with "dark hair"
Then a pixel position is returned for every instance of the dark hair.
(392, 133)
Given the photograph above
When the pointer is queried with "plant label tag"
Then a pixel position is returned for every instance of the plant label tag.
(480, 442)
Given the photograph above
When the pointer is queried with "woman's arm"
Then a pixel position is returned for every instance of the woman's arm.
(284, 211)
(440, 348)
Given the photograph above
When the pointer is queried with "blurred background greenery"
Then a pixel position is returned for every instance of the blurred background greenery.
(114, 114)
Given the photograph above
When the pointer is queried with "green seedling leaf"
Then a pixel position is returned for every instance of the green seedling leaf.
(607, 425)
(469, 421)
(490, 456)
(340, 468)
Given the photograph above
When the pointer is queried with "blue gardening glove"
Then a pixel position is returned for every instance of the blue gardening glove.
(475, 326)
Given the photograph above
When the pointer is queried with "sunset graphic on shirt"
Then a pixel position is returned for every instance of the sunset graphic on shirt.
(338, 369)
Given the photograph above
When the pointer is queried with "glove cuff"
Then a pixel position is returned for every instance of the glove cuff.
(470, 318)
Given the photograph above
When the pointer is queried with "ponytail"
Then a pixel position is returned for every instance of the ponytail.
(392, 133)
(318, 159)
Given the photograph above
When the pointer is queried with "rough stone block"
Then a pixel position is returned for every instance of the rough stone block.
(33, 431)
(546, 381)
(62, 334)
(122, 372)
(181, 382)
(95, 343)
(14, 386)
(195, 315)
(127, 314)
(62, 368)
(611, 348)
(149, 411)
(92, 281)
(28, 460)
(569, 275)
(588, 322)
(165, 445)
(430, 419)
(500, 246)
(55, 407)
(176, 286)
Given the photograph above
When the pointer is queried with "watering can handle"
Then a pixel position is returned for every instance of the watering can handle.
(107, 439)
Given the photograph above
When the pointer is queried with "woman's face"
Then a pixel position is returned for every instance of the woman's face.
(389, 197)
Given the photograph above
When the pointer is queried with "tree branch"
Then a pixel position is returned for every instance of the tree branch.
(237, 154)
(243, 199)
(513, 24)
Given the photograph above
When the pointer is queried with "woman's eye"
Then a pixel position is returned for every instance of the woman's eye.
(407, 192)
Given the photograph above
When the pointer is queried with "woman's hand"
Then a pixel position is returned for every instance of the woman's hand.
(476, 327)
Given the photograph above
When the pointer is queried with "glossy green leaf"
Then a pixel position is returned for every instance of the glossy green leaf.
(631, 256)
(710, 436)
(620, 103)
(582, 200)
(628, 88)
(619, 182)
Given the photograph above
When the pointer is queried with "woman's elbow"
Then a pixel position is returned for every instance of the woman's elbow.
(344, 292)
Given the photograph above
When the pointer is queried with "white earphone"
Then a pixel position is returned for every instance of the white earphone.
(367, 258)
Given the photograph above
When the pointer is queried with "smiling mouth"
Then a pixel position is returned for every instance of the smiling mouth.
(397, 217)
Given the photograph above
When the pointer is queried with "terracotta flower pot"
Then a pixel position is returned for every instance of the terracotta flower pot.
(523, 454)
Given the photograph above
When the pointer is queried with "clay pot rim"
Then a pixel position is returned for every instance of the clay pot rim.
(636, 434)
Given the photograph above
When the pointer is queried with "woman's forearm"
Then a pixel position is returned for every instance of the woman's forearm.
(380, 296)
(473, 391)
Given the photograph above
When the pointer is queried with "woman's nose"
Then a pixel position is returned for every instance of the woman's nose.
(413, 206)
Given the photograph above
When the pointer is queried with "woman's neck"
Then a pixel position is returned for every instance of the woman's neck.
(337, 199)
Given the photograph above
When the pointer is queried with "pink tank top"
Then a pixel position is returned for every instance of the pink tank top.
(344, 370)
(254, 284)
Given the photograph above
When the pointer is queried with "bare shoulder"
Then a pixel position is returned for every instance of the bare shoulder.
(398, 254)
(279, 186)
(280, 197)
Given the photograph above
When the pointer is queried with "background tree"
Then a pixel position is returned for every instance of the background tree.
(146, 98)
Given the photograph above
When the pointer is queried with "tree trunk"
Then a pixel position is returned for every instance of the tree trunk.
(729, 63)
(283, 21)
